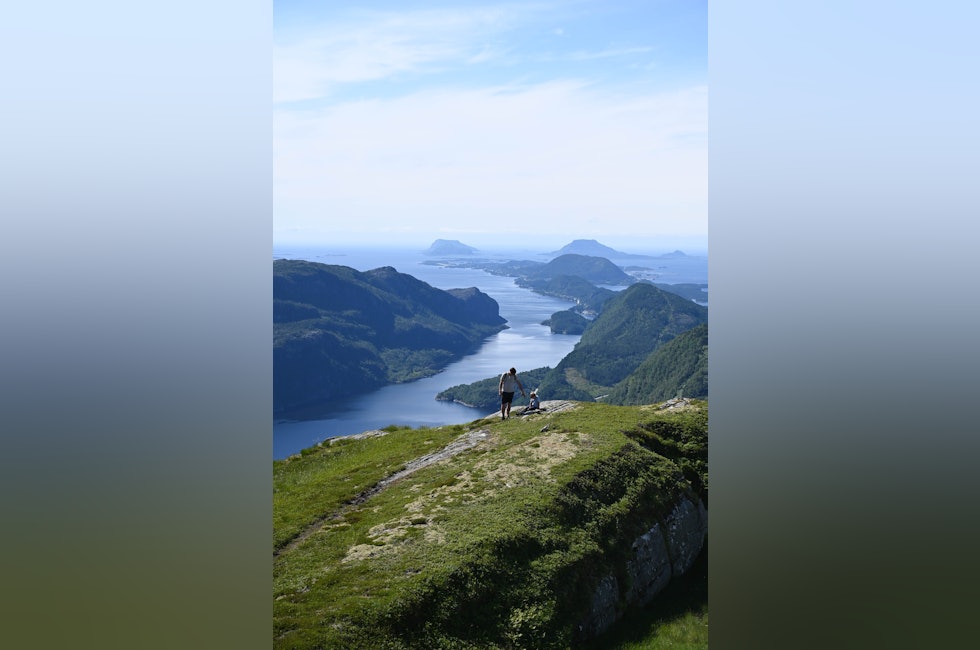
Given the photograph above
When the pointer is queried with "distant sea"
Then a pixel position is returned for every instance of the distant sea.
(526, 344)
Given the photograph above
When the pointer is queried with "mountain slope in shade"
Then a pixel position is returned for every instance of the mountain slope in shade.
(631, 326)
(679, 367)
(338, 332)
(597, 270)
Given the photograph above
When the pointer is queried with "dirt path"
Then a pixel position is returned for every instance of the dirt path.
(459, 445)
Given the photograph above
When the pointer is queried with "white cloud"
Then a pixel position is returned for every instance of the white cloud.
(557, 156)
(605, 54)
(375, 46)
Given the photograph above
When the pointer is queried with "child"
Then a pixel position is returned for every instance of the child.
(534, 404)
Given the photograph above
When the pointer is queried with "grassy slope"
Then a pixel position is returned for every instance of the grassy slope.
(678, 366)
(632, 325)
(497, 547)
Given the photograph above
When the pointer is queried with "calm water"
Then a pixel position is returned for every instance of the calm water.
(525, 345)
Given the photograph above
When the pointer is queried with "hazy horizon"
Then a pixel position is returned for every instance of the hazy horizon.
(541, 245)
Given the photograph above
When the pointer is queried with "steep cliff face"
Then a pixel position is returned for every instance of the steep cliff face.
(665, 551)
(539, 531)
(476, 306)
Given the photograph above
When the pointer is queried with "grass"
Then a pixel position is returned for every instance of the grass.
(578, 381)
(500, 546)
(319, 481)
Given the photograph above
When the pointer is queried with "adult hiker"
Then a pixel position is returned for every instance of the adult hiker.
(508, 381)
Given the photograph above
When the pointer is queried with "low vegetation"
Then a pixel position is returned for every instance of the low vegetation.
(499, 545)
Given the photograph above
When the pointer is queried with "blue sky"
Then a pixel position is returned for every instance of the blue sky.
(486, 122)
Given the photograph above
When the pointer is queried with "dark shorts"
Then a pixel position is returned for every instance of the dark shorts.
(506, 398)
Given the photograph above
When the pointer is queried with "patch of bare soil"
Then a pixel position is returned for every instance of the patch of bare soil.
(530, 459)
(527, 462)
(462, 443)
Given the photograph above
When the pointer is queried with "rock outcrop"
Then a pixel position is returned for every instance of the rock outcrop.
(665, 551)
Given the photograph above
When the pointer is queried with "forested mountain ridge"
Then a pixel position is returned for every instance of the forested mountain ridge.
(338, 331)
(679, 366)
(566, 321)
(646, 346)
(597, 270)
(631, 326)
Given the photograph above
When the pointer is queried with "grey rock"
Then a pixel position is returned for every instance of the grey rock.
(686, 527)
(650, 567)
(667, 550)
(603, 613)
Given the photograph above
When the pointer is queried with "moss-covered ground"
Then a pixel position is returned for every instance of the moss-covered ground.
(498, 546)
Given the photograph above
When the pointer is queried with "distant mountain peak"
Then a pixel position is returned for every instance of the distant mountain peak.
(449, 247)
(593, 268)
(588, 247)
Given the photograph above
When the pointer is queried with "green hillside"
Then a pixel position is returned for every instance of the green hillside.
(634, 335)
(633, 324)
(535, 532)
(566, 322)
(679, 367)
(338, 332)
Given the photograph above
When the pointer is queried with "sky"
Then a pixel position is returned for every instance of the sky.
(406, 122)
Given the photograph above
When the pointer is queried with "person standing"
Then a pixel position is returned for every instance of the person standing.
(508, 382)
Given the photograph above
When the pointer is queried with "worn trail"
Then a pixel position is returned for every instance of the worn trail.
(459, 445)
